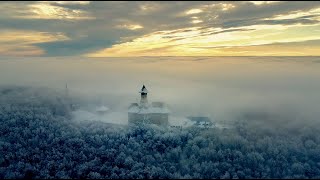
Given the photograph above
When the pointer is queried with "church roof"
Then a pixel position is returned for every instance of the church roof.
(143, 90)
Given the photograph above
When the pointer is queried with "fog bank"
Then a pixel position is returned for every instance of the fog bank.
(273, 89)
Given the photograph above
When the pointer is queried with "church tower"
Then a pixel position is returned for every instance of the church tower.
(145, 113)
(67, 91)
(144, 99)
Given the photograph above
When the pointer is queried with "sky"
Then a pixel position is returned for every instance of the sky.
(159, 28)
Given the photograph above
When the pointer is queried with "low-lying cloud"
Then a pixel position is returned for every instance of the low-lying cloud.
(274, 90)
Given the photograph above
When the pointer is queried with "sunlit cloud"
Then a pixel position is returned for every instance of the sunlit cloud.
(311, 14)
(149, 7)
(226, 7)
(99, 29)
(218, 7)
(7, 36)
(73, 2)
(197, 41)
(196, 21)
(303, 48)
(194, 11)
(258, 3)
(21, 43)
(45, 10)
(147, 43)
(130, 26)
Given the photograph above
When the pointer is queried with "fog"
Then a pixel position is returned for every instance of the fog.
(284, 89)
(271, 104)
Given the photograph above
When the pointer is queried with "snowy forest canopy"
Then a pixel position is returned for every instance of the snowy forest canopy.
(39, 140)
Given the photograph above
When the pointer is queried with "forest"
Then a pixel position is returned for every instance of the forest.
(40, 140)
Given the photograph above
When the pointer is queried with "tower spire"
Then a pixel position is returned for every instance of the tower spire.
(144, 99)
(67, 92)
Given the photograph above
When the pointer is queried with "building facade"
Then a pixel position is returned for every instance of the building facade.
(143, 112)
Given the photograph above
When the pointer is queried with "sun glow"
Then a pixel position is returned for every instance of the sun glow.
(209, 41)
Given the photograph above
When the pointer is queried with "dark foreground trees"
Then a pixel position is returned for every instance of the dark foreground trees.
(38, 139)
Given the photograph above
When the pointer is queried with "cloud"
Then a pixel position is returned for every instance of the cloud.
(73, 47)
(21, 43)
(44, 10)
(224, 87)
(191, 41)
(194, 11)
(72, 2)
(118, 23)
(259, 3)
(301, 48)
(131, 26)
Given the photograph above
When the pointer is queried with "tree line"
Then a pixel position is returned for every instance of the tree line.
(38, 139)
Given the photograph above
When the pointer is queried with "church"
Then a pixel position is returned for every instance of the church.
(144, 112)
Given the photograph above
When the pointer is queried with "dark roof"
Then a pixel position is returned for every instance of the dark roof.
(143, 89)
